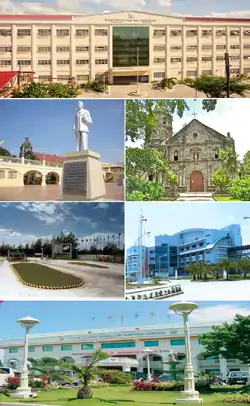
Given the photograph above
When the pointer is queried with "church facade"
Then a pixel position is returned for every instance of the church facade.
(193, 154)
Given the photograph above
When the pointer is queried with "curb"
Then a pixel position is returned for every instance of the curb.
(31, 285)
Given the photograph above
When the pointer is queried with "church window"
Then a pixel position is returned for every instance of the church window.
(196, 155)
(195, 135)
(176, 156)
(150, 178)
(216, 154)
(164, 121)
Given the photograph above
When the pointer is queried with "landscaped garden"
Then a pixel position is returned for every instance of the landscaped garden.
(41, 276)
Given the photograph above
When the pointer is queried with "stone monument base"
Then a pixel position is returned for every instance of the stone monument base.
(23, 393)
(82, 177)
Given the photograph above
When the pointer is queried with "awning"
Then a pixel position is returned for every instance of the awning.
(6, 77)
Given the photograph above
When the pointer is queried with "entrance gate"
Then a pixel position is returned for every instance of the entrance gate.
(196, 182)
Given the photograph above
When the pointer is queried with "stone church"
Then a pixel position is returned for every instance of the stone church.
(193, 153)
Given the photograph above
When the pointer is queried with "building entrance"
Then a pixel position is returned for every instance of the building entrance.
(196, 182)
(130, 80)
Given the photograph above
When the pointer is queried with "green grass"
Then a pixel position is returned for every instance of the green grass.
(41, 276)
(87, 264)
(225, 198)
(114, 396)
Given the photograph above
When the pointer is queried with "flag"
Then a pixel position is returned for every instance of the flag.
(93, 318)
(143, 219)
(110, 317)
(151, 314)
(136, 315)
(122, 318)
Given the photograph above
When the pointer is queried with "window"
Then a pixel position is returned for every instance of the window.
(219, 46)
(191, 33)
(62, 49)
(191, 47)
(206, 33)
(48, 348)
(101, 49)
(206, 59)
(82, 61)
(5, 49)
(178, 342)
(200, 341)
(159, 75)
(159, 47)
(2, 174)
(206, 47)
(5, 33)
(44, 78)
(66, 348)
(12, 175)
(191, 59)
(63, 77)
(43, 62)
(44, 32)
(175, 60)
(5, 62)
(101, 61)
(234, 47)
(175, 48)
(83, 78)
(62, 33)
(151, 343)
(13, 350)
(234, 33)
(176, 156)
(206, 72)
(159, 60)
(31, 349)
(82, 33)
(87, 346)
(24, 62)
(23, 50)
(82, 49)
(220, 33)
(101, 33)
(159, 33)
(246, 46)
(62, 62)
(24, 33)
(235, 57)
(128, 344)
(246, 33)
(220, 58)
(43, 49)
(175, 33)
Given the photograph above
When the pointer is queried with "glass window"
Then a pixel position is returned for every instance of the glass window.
(48, 348)
(151, 343)
(178, 342)
(87, 346)
(31, 349)
(130, 46)
(66, 348)
(200, 341)
(12, 350)
(119, 345)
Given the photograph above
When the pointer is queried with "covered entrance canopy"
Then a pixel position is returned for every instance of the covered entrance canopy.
(120, 362)
(128, 76)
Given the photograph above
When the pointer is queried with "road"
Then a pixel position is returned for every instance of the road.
(100, 283)
(214, 291)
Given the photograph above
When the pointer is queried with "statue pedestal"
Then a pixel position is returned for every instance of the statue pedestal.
(82, 177)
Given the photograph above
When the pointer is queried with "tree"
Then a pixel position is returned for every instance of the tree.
(227, 265)
(244, 265)
(45, 90)
(246, 164)
(216, 86)
(230, 159)
(4, 152)
(142, 116)
(221, 179)
(230, 340)
(240, 189)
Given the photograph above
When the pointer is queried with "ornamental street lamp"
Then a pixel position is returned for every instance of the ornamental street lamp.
(189, 395)
(24, 391)
(148, 351)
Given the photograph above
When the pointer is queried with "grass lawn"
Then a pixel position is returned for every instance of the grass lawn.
(225, 198)
(40, 275)
(87, 264)
(114, 395)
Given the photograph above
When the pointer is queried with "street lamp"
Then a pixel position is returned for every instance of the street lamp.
(159, 259)
(189, 395)
(148, 351)
(24, 391)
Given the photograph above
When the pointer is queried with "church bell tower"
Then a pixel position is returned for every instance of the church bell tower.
(164, 131)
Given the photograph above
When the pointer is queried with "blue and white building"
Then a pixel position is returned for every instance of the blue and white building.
(177, 251)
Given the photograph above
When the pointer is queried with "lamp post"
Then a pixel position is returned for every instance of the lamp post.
(24, 391)
(189, 395)
(148, 351)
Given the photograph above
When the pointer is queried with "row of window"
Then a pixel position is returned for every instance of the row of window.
(23, 32)
(203, 59)
(204, 33)
(10, 175)
(128, 344)
(59, 62)
(204, 47)
(45, 49)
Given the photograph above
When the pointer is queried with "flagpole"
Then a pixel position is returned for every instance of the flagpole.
(140, 250)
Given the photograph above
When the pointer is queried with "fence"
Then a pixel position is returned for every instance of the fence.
(102, 258)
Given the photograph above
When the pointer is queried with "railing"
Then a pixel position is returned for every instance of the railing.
(14, 160)
(154, 292)
(10, 159)
(32, 162)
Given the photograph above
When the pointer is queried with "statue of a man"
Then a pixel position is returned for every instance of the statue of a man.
(81, 127)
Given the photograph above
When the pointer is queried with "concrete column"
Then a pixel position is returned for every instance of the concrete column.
(184, 53)
(110, 53)
(223, 367)
(72, 50)
(167, 35)
(22, 160)
(214, 51)
(228, 39)
(33, 48)
(241, 51)
(151, 54)
(199, 53)
(14, 50)
(43, 180)
(53, 52)
(91, 52)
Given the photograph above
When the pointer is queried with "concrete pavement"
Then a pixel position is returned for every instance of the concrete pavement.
(100, 283)
(195, 197)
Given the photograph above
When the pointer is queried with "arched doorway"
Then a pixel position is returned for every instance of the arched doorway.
(52, 178)
(196, 182)
(32, 178)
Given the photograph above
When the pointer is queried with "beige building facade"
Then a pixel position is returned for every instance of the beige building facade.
(122, 47)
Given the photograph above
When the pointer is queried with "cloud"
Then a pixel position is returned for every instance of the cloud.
(48, 213)
(101, 206)
(217, 314)
(4, 230)
(238, 13)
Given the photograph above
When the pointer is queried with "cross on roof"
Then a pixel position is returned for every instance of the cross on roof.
(194, 114)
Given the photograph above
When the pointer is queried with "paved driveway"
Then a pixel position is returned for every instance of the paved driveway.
(100, 283)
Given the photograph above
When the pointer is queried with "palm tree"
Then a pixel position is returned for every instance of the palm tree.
(244, 265)
(227, 265)
(194, 269)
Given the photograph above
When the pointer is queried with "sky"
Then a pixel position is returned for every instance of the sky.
(24, 222)
(49, 126)
(108, 315)
(222, 119)
(170, 218)
(215, 8)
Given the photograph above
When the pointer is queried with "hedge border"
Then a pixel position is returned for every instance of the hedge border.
(31, 285)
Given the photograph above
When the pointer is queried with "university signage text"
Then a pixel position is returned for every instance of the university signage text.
(129, 20)
(120, 352)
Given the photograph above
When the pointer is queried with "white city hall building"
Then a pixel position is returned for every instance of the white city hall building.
(119, 47)
(126, 346)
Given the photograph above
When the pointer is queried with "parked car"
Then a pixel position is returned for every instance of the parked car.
(237, 378)
(163, 378)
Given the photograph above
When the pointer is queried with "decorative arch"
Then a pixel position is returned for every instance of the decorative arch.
(32, 177)
(52, 178)
(176, 155)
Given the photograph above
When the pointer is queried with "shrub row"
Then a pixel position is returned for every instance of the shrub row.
(236, 398)
(201, 386)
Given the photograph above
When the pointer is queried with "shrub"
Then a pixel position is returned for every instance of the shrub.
(240, 189)
(202, 386)
(117, 377)
(13, 383)
(236, 398)
(98, 384)
(139, 190)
